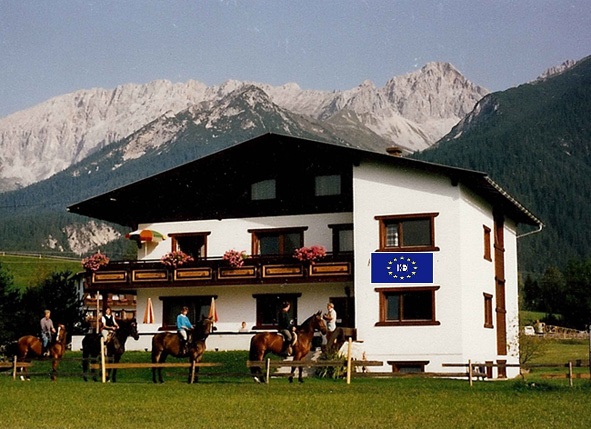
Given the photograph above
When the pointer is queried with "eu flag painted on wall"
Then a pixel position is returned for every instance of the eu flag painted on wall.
(399, 267)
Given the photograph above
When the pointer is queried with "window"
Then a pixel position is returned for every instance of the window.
(277, 241)
(487, 252)
(268, 307)
(407, 306)
(193, 244)
(488, 311)
(328, 185)
(342, 238)
(171, 307)
(264, 190)
(407, 232)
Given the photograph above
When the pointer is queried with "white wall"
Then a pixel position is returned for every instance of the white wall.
(229, 234)
(460, 269)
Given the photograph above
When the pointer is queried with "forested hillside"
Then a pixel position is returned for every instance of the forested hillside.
(535, 141)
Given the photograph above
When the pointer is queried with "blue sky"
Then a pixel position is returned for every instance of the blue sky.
(49, 48)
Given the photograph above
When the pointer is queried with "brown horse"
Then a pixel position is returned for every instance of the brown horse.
(272, 342)
(168, 343)
(91, 347)
(30, 346)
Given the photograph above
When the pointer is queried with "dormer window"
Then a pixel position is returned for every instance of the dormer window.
(263, 190)
(328, 185)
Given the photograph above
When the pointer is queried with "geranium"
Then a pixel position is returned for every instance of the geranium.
(235, 258)
(176, 258)
(310, 254)
(95, 261)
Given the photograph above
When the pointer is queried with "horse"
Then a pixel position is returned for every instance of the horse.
(272, 342)
(30, 346)
(91, 347)
(168, 343)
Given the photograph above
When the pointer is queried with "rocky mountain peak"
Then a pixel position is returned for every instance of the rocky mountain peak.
(415, 109)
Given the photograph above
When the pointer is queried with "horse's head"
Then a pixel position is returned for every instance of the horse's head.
(318, 323)
(132, 329)
(203, 328)
(60, 336)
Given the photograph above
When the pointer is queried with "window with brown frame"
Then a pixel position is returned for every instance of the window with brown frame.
(407, 306)
(342, 237)
(268, 307)
(487, 248)
(282, 241)
(193, 244)
(411, 232)
(488, 310)
(172, 305)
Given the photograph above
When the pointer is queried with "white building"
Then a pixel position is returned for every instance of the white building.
(273, 194)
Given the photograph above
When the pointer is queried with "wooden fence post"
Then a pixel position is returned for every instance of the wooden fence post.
(14, 367)
(268, 370)
(103, 369)
(570, 373)
(349, 357)
(470, 372)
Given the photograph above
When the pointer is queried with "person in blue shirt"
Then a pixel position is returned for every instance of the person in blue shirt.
(184, 326)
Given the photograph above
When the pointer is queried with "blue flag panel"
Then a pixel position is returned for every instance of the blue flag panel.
(400, 267)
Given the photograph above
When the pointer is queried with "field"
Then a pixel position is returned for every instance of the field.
(31, 271)
(235, 401)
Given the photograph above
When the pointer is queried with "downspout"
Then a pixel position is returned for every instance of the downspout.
(540, 226)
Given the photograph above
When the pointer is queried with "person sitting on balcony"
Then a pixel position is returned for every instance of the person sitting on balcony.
(184, 327)
(286, 328)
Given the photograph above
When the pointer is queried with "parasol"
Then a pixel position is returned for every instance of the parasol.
(149, 313)
(213, 314)
(145, 236)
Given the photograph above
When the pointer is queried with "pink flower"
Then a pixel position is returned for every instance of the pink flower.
(310, 254)
(95, 261)
(235, 258)
(176, 258)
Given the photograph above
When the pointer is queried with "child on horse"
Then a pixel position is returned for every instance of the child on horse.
(108, 325)
(184, 327)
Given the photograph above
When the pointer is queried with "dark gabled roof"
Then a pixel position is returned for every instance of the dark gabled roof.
(217, 186)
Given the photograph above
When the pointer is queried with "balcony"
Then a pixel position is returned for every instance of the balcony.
(257, 270)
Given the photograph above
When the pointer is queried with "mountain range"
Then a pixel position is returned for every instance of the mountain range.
(411, 111)
(105, 139)
(535, 140)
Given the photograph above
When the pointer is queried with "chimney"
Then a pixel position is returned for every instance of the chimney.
(394, 151)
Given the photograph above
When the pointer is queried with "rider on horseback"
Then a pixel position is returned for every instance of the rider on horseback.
(108, 325)
(184, 327)
(47, 330)
(286, 328)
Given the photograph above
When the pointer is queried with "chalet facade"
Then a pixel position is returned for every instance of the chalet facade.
(421, 258)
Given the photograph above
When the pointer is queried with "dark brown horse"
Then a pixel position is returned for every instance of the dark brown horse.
(30, 346)
(168, 343)
(91, 347)
(272, 342)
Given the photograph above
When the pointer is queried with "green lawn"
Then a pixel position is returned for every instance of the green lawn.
(31, 271)
(235, 401)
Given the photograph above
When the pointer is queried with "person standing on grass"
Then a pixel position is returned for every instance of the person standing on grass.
(331, 324)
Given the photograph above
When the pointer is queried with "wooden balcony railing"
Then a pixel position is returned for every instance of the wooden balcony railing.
(216, 271)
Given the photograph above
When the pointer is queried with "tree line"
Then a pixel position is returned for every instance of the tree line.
(21, 310)
(565, 296)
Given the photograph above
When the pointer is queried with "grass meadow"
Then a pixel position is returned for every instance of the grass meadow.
(226, 397)
(29, 271)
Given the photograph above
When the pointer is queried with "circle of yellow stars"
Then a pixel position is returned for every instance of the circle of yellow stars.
(402, 259)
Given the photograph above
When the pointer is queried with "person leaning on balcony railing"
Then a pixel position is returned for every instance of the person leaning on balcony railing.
(286, 328)
(184, 327)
